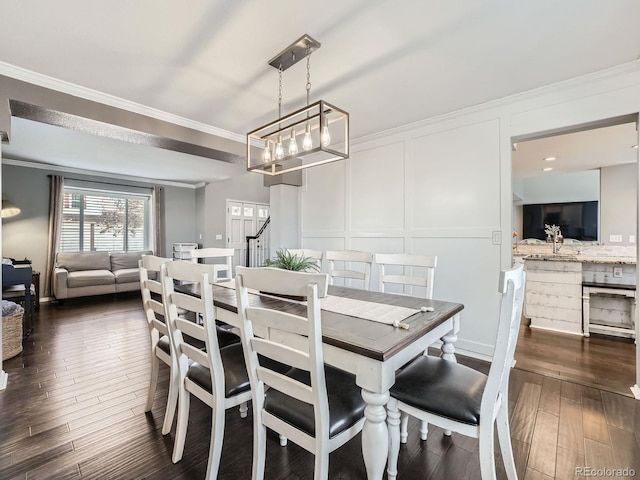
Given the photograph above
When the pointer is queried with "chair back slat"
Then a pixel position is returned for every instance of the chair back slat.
(195, 354)
(268, 279)
(187, 302)
(225, 254)
(281, 353)
(402, 268)
(350, 258)
(278, 320)
(286, 385)
(190, 328)
(153, 285)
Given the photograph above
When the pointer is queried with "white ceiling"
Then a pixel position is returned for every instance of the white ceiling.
(388, 63)
(585, 150)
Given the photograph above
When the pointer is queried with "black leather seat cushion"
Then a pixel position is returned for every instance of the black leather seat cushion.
(226, 337)
(164, 344)
(346, 405)
(236, 379)
(442, 387)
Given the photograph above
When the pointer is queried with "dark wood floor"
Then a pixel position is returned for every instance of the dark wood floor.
(75, 399)
(601, 361)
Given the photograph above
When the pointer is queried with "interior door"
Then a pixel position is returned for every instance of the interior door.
(243, 219)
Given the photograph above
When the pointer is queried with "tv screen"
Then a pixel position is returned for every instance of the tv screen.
(577, 220)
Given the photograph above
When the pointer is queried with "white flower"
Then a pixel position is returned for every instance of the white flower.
(552, 230)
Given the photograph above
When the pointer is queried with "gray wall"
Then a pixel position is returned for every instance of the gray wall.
(565, 187)
(618, 206)
(26, 235)
(248, 187)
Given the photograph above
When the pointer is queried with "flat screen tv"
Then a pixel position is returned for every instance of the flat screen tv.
(577, 220)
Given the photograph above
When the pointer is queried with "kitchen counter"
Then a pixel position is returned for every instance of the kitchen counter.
(579, 257)
(554, 296)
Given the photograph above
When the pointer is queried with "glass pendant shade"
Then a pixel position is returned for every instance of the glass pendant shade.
(326, 137)
(266, 155)
(293, 145)
(279, 153)
(307, 142)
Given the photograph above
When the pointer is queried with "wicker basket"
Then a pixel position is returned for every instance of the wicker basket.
(12, 335)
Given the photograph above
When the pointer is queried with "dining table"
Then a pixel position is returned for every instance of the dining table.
(371, 351)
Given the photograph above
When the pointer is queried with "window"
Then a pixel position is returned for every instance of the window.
(96, 220)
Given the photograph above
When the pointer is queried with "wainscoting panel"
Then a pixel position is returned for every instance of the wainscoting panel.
(454, 178)
(376, 188)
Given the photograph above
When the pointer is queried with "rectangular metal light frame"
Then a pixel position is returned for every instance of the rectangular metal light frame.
(316, 113)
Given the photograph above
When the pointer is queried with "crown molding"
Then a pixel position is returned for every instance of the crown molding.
(618, 70)
(92, 173)
(29, 76)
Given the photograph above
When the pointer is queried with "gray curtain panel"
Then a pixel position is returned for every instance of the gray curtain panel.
(159, 246)
(56, 194)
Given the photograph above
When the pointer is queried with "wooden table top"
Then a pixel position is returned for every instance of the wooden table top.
(364, 337)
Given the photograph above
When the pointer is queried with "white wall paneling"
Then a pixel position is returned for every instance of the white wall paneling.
(376, 189)
(455, 179)
(324, 198)
(457, 187)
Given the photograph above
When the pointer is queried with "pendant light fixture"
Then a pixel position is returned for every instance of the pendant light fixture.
(324, 129)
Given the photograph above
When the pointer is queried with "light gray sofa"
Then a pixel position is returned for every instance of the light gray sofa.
(95, 273)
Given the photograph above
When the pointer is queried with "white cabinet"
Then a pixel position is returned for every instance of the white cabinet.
(554, 295)
(181, 250)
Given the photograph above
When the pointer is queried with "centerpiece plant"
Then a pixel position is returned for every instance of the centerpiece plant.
(288, 261)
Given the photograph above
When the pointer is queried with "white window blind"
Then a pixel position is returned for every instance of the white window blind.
(95, 220)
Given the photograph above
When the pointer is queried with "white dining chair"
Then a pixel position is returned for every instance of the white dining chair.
(151, 292)
(350, 257)
(217, 376)
(400, 269)
(308, 253)
(222, 271)
(389, 264)
(316, 406)
(456, 397)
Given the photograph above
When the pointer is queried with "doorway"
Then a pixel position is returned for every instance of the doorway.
(243, 219)
(606, 151)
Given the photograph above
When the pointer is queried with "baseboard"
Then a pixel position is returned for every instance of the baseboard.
(636, 391)
(4, 377)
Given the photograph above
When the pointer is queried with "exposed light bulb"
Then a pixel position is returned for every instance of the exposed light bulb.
(266, 156)
(293, 145)
(279, 149)
(307, 143)
(326, 136)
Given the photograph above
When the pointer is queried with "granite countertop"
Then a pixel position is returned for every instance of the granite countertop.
(581, 258)
(603, 254)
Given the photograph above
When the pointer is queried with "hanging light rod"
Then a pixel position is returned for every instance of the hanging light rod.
(295, 52)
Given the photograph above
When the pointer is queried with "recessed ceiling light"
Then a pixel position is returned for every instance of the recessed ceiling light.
(550, 159)
(547, 169)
